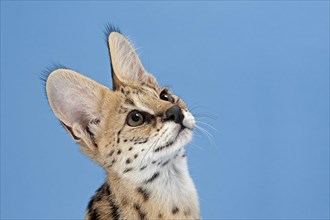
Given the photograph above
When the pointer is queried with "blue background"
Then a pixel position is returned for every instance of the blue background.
(256, 71)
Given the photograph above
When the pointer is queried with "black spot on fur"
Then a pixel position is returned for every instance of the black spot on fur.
(142, 168)
(94, 215)
(128, 170)
(115, 214)
(128, 161)
(163, 147)
(112, 163)
(145, 193)
(165, 163)
(92, 211)
(111, 153)
(107, 190)
(118, 134)
(175, 210)
(141, 214)
(152, 178)
(114, 210)
(125, 140)
(118, 151)
(136, 155)
(142, 142)
(160, 215)
(130, 148)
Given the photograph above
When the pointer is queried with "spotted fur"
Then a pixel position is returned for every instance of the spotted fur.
(146, 165)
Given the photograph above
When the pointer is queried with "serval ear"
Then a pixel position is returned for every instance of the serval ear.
(77, 102)
(126, 65)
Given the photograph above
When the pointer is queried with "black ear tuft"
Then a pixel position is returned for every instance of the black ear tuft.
(47, 71)
(109, 28)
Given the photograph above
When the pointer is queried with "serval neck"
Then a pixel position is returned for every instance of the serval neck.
(164, 189)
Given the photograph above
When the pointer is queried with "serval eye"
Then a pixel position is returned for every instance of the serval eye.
(165, 96)
(135, 118)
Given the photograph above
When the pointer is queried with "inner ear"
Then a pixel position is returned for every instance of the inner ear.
(77, 101)
(126, 65)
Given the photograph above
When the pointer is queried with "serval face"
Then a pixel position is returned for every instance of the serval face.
(135, 125)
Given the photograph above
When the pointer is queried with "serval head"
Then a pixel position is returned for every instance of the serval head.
(126, 129)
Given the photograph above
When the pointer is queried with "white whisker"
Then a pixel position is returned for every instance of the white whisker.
(197, 146)
(207, 134)
(204, 123)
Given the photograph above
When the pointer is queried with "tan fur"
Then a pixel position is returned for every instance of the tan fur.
(146, 179)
